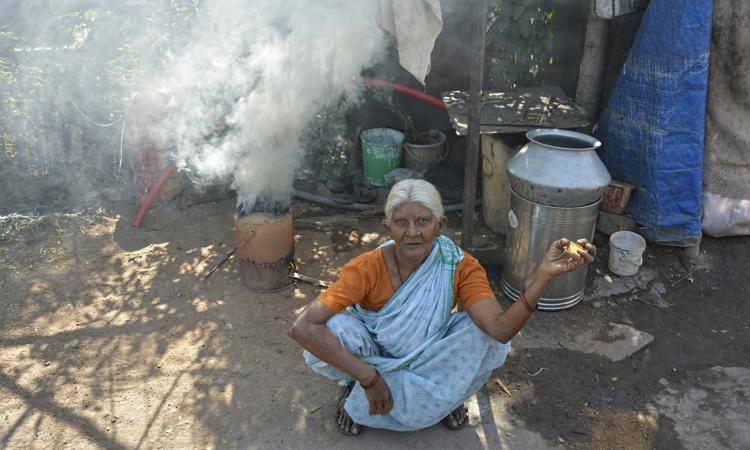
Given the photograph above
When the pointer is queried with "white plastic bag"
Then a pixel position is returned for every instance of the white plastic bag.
(724, 216)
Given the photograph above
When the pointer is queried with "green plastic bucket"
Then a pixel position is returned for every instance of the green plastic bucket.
(381, 153)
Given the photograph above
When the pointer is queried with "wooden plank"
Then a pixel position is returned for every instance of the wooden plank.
(495, 183)
(517, 110)
(591, 74)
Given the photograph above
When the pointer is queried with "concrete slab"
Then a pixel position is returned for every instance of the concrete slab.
(610, 285)
(711, 411)
(614, 340)
(555, 330)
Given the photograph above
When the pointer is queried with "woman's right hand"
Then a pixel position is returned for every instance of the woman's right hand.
(380, 398)
(557, 261)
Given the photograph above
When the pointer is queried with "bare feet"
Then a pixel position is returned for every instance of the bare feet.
(457, 418)
(345, 423)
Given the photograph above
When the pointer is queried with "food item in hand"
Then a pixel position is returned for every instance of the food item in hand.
(574, 249)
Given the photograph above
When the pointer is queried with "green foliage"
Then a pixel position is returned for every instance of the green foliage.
(92, 56)
(520, 42)
(78, 62)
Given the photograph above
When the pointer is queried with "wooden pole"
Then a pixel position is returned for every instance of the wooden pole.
(471, 159)
(591, 73)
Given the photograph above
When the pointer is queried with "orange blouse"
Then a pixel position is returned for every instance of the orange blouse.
(365, 280)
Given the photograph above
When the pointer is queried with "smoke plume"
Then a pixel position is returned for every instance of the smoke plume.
(266, 67)
(253, 73)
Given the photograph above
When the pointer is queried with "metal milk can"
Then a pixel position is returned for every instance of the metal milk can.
(557, 181)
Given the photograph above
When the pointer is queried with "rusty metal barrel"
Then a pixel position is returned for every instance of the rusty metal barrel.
(265, 249)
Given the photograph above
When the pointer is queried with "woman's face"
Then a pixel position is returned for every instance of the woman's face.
(413, 227)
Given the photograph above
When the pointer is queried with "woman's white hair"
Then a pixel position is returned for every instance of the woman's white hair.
(414, 191)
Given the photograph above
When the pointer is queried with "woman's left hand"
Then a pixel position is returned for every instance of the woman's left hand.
(557, 261)
(380, 398)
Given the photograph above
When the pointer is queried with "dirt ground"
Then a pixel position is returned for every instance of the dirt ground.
(109, 338)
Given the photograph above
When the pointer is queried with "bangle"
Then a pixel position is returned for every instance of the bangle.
(372, 382)
(525, 302)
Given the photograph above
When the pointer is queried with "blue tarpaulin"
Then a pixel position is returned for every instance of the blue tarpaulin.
(653, 127)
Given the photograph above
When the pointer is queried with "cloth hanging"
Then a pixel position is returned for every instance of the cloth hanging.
(413, 25)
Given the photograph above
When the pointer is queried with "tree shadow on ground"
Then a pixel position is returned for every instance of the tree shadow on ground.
(111, 338)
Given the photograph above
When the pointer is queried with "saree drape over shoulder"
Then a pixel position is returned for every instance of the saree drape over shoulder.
(432, 359)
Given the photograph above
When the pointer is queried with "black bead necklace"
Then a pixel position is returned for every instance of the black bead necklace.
(398, 268)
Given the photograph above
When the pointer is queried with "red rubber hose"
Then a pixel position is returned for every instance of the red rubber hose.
(406, 90)
(151, 195)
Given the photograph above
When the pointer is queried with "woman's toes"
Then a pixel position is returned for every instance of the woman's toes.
(355, 428)
(460, 414)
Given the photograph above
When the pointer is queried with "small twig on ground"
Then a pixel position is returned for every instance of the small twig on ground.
(503, 387)
(537, 372)
(689, 274)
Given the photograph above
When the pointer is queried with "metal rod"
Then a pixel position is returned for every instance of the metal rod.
(229, 255)
(471, 158)
(311, 280)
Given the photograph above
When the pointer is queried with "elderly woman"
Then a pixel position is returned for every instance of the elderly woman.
(387, 331)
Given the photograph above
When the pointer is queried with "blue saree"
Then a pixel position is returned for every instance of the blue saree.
(432, 359)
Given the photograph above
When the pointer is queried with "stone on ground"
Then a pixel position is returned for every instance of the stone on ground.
(614, 341)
